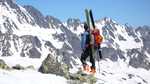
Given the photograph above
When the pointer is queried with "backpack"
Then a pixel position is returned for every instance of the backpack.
(97, 37)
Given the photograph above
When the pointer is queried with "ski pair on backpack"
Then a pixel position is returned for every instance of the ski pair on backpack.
(97, 39)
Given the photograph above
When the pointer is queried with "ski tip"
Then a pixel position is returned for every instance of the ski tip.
(87, 9)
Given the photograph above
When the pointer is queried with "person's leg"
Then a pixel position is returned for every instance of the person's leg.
(84, 56)
(100, 52)
(92, 59)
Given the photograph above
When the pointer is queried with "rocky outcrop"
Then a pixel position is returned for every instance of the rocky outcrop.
(18, 67)
(3, 65)
(80, 77)
(51, 65)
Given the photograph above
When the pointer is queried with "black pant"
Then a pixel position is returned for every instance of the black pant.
(87, 52)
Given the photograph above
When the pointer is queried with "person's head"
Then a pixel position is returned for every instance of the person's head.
(85, 26)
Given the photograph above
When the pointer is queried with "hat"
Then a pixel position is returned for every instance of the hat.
(85, 26)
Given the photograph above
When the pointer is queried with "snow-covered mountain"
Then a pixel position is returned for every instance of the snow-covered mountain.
(25, 32)
(27, 37)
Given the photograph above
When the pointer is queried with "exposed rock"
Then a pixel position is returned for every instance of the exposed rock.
(18, 67)
(80, 78)
(138, 59)
(37, 15)
(3, 65)
(71, 22)
(30, 67)
(121, 38)
(51, 65)
(53, 22)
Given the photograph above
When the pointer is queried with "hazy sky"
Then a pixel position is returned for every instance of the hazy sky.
(134, 12)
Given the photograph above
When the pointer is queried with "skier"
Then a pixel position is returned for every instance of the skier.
(97, 41)
(87, 50)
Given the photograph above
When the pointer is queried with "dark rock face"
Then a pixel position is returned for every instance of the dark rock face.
(145, 36)
(121, 38)
(113, 54)
(34, 53)
(73, 23)
(53, 22)
(30, 46)
(18, 67)
(5, 44)
(138, 59)
(37, 15)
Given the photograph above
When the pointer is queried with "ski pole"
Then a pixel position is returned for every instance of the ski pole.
(98, 60)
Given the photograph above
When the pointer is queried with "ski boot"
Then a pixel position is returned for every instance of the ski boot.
(93, 70)
(86, 68)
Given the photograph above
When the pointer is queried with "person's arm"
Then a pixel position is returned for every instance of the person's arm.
(83, 40)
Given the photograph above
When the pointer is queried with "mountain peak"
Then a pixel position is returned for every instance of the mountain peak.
(73, 22)
(37, 15)
(10, 2)
(31, 8)
(52, 19)
(7, 0)
(106, 21)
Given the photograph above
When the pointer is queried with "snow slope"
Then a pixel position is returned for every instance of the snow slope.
(110, 73)
(29, 77)
(120, 73)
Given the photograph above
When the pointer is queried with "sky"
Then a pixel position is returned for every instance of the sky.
(133, 12)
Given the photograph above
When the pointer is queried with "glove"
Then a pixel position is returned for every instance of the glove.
(83, 49)
(86, 46)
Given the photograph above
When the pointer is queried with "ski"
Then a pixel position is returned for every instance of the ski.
(92, 19)
(87, 14)
(87, 17)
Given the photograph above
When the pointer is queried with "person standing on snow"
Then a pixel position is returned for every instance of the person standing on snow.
(87, 50)
(89, 45)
